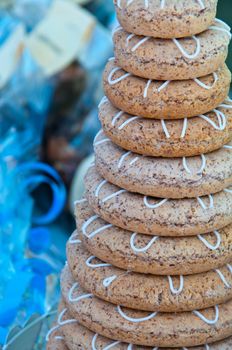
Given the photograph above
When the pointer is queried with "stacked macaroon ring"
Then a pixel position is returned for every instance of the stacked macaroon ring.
(150, 263)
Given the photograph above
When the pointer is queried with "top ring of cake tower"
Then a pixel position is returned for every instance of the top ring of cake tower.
(166, 18)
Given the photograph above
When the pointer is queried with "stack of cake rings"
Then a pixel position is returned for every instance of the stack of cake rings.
(150, 264)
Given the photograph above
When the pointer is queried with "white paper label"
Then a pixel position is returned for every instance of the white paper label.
(10, 54)
(61, 36)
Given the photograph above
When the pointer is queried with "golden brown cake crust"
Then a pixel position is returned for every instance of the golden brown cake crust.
(176, 18)
(168, 138)
(78, 337)
(163, 100)
(143, 328)
(148, 292)
(163, 59)
(146, 254)
(156, 216)
(186, 177)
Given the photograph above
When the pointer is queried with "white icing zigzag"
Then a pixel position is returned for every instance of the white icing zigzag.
(162, 3)
(222, 120)
(60, 324)
(133, 236)
(107, 198)
(94, 340)
(220, 274)
(185, 53)
(108, 280)
(94, 233)
(209, 245)
(203, 205)
(122, 158)
(204, 86)
(135, 320)
(181, 286)
(184, 129)
(206, 320)
(96, 143)
(144, 249)
(165, 84)
(226, 28)
(73, 239)
(153, 206)
(202, 168)
(80, 297)
(94, 266)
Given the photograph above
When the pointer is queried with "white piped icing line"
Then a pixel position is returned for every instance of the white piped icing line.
(124, 156)
(185, 53)
(225, 105)
(174, 290)
(95, 266)
(103, 101)
(227, 190)
(146, 88)
(98, 189)
(102, 141)
(160, 88)
(226, 29)
(183, 132)
(135, 320)
(202, 204)
(142, 41)
(130, 36)
(204, 86)
(79, 201)
(127, 122)
(206, 347)
(116, 29)
(227, 146)
(96, 143)
(80, 297)
(60, 323)
(209, 245)
(144, 249)
(154, 206)
(206, 320)
(202, 168)
(94, 233)
(107, 198)
(108, 280)
(222, 121)
(114, 70)
(220, 274)
(73, 239)
(163, 86)
(110, 346)
(162, 3)
(116, 117)
(230, 268)
(201, 3)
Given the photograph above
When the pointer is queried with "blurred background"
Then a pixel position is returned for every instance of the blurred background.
(52, 54)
